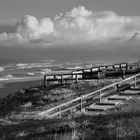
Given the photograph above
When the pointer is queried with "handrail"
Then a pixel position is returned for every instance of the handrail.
(79, 72)
(94, 67)
(85, 96)
(62, 111)
(111, 85)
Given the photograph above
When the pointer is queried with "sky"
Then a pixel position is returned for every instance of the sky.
(71, 25)
(16, 9)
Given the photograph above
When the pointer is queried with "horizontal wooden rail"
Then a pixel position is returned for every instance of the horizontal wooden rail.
(97, 72)
(100, 66)
(58, 110)
(65, 110)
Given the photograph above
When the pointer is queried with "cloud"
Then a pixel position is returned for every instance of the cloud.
(78, 25)
(31, 29)
(11, 36)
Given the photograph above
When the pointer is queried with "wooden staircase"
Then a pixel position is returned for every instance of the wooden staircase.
(111, 102)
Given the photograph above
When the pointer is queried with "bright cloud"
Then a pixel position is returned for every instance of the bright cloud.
(31, 28)
(75, 26)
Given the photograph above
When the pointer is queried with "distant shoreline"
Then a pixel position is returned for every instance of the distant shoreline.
(21, 80)
(10, 86)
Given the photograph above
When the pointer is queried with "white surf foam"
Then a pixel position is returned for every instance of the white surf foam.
(1, 69)
(8, 77)
(45, 71)
(35, 65)
(30, 73)
(75, 68)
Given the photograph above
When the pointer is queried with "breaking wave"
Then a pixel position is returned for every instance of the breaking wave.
(35, 65)
(1, 69)
(8, 77)
(11, 77)
(30, 73)
(75, 68)
(45, 71)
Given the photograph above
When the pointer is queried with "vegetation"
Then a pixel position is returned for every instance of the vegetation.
(37, 99)
(123, 124)
(18, 119)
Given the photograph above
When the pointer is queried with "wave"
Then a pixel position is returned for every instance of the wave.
(30, 73)
(1, 69)
(45, 71)
(35, 65)
(73, 63)
(74, 68)
(8, 77)
(46, 61)
(12, 78)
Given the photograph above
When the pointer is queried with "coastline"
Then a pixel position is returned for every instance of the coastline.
(21, 79)
(10, 86)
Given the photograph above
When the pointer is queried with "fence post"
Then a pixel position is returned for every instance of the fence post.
(54, 76)
(98, 79)
(71, 110)
(72, 77)
(60, 113)
(91, 70)
(76, 78)
(120, 66)
(81, 103)
(117, 86)
(126, 66)
(45, 83)
(100, 95)
(135, 81)
(123, 74)
(62, 80)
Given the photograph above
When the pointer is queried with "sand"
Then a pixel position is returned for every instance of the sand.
(10, 86)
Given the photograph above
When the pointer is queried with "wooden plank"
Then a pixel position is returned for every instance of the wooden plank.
(84, 97)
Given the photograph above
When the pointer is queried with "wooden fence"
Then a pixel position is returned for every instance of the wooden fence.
(81, 102)
(97, 72)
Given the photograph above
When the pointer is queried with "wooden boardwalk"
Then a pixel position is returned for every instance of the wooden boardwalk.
(98, 72)
(91, 101)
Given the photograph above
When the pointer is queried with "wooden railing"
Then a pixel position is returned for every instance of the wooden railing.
(81, 102)
(97, 72)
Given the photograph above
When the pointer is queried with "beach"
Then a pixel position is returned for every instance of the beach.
(10, 86)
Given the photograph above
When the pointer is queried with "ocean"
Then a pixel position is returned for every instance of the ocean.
(24, 64)
(21, 62)
(18, 74)
(14, 70)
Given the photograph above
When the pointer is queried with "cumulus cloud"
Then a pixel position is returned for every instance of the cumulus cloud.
(75, 26)
(31, 28)
(11, 36)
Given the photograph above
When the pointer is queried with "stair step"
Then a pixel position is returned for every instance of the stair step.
(129, 94)
(100, 107)
(116, 102)
(135, 88)
(106, 103)
(94, 109)
(119, 98)
(132, 91)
